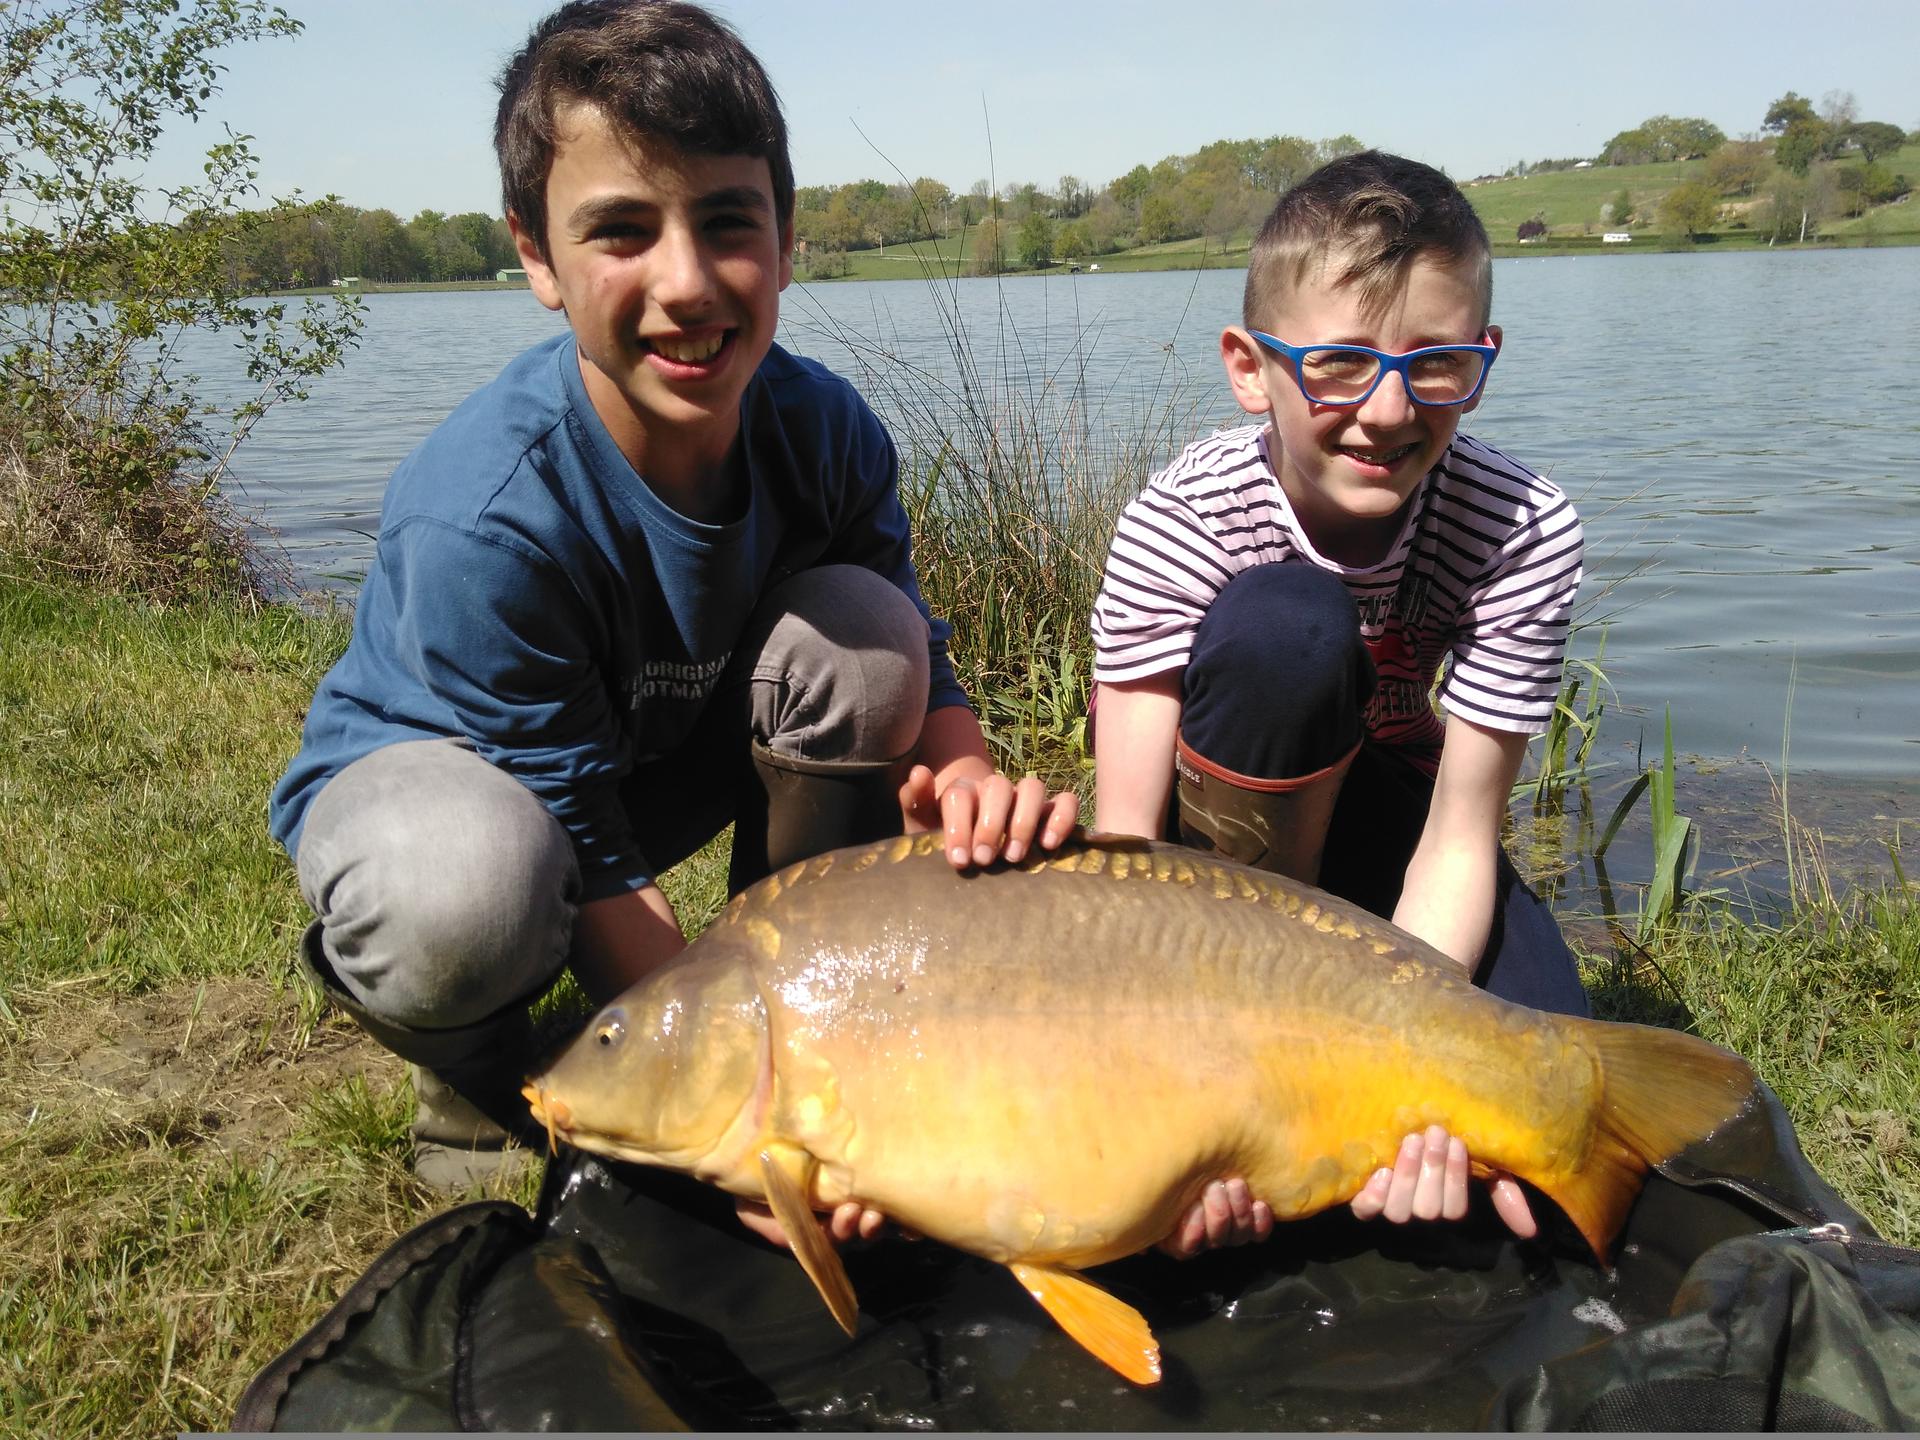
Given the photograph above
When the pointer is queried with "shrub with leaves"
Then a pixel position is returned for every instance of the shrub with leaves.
(114, 453)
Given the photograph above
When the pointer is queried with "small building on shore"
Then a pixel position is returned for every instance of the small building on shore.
(516, 273)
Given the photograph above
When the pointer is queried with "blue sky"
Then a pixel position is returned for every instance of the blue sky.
(390, 102)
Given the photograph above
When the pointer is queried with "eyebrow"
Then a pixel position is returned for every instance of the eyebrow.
(591, 212)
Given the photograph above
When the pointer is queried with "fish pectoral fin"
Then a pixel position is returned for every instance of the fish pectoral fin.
(787, 1172)
(1106, 1325)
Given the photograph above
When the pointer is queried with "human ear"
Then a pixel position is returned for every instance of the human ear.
(786, 251)
(1245, 363)
(539, 273)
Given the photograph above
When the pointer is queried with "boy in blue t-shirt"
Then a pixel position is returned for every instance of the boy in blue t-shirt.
(653, 579)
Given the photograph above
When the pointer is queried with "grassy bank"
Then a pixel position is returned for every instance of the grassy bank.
(198, 1160)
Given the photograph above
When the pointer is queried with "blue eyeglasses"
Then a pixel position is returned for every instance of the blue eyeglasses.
(1348, 374)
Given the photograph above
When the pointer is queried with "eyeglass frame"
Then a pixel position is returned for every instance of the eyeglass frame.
(1388, 363)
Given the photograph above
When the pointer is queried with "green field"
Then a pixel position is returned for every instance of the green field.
(1569, 201)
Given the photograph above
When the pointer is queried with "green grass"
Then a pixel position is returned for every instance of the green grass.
(1825, 1002)
(159, 733)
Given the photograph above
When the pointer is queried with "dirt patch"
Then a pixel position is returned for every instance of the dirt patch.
(233, 1060)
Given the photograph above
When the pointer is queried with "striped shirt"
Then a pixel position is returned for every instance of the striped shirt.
(1483, 574)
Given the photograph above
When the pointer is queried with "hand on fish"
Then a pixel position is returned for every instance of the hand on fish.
(848, 1221)
(982, 819)
(1427, 1181)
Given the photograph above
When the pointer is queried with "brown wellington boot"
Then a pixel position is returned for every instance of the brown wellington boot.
(1279, 826)
(795, 809)
(470, 1120)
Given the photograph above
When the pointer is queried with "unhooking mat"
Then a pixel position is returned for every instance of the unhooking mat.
(1745, 1296)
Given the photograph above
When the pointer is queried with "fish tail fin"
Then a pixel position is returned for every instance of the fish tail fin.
(1660, 1091)
(1106, 1325)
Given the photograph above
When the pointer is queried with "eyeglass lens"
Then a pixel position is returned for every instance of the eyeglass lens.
(1343, 376)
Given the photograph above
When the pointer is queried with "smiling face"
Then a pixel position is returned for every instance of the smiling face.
(1349, 470)
(669, 266)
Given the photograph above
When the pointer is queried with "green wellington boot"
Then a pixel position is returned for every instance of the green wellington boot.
(805, 807)
(470, 1120)
(1279, 826)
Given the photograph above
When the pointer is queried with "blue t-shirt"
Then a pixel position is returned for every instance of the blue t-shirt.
(531, 593)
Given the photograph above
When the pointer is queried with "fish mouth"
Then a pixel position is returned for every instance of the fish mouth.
(551, 1113)
(558, 1118)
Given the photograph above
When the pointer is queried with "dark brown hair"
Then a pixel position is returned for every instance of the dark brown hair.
(658, 70)
(1373, 215)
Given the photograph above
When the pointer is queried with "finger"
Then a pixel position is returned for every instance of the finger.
(995, 804)
(956, 822)
(1062, 811)
(917, 807)
(845, 1221)
(759, 1219)
(1510, 1204)
(1406, 1179)
(1240, 1202)
(1372, 1199)
(1262, 1220)
(1453, 1199)
(1430, 1190)
(1029, 805)
(1219, 1213)
(1184, 1243)
(872, 1222)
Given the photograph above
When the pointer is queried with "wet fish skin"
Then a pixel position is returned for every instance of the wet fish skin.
(1044, 1064)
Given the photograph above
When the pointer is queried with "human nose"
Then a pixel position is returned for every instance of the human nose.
(683, 277)
(1390, 403)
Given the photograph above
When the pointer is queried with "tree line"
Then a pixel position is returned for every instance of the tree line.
(1783, 178)
(1220, 190)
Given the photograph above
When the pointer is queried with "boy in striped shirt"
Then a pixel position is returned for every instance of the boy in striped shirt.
(1279, 601)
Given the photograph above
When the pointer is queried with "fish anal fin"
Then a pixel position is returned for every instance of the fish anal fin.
(1112, 1330)
(1662, 1091)
(786, 1172)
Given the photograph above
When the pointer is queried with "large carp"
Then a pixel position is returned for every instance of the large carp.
(1045, 1063)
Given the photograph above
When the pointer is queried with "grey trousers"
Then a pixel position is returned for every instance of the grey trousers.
(446, 891)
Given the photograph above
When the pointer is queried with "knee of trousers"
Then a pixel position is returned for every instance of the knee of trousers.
(445, 889)
(1279, 677)
(839, 666)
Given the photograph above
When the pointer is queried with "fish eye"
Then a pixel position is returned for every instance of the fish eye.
(610, 1031)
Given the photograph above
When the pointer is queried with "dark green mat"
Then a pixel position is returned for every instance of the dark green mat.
(1746, 1296)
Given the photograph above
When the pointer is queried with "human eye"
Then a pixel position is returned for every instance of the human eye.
(618, 234)
(1338, 364)
(1444, 364)
(734, 224)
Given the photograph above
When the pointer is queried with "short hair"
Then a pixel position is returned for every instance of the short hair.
(658, 70)
(1374, 214)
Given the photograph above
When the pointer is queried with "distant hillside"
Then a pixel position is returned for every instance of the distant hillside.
(1571, 201)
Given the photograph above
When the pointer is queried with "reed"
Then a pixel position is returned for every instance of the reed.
(1014, 469)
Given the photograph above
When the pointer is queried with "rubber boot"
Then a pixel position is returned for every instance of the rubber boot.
(469, 1111)
(1279, 826)
(795, 809)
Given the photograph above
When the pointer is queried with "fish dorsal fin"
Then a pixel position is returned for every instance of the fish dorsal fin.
(787, 1171)
(1111, 1329)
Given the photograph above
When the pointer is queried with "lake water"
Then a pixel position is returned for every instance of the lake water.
(1739, 431)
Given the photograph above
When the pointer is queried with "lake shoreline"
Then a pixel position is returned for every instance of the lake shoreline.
(1123, 263)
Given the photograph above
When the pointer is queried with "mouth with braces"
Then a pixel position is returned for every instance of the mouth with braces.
(1385, 459)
